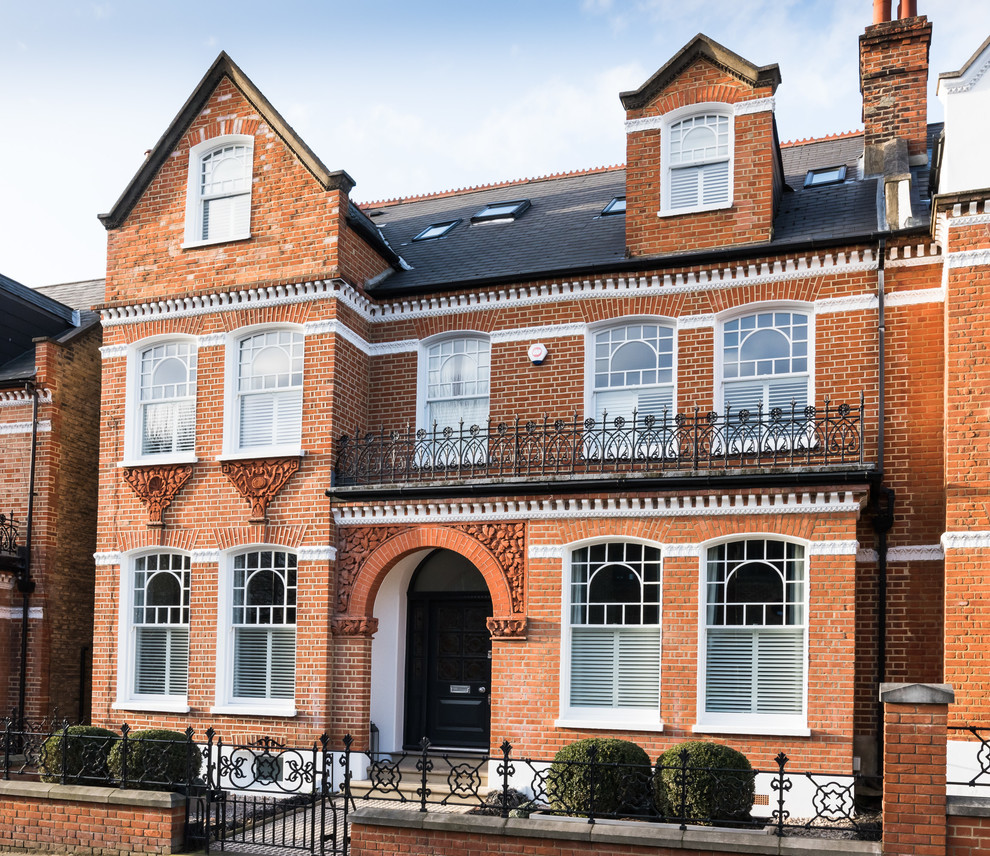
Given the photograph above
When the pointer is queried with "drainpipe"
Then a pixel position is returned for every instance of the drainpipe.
(883, 503)
(25, 585)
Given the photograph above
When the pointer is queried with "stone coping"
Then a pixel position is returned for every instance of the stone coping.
(86, 793)
(967, 806)
(668, 835)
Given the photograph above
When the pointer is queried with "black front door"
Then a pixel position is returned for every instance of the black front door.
(449, 669)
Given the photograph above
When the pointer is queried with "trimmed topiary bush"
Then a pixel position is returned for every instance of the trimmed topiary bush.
(156, 759)
(718, 783)
(617, 771)
(85, 755)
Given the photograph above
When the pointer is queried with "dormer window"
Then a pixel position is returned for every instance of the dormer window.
(699, 160)
(826, 175)
(501, 211)
(218, 202)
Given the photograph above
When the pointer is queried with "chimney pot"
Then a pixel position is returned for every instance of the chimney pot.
(907, 9)
(881, 11)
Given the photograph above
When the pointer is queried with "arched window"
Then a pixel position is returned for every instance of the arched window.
(167, 398)
(614, 610)
(218, 204)
(633, 371)
(264, 625)
(457, 383)
(160, 625)
(754, 630)
(699, 161)
(268, 410)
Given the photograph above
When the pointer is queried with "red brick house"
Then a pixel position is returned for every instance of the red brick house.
(49, 438)
(654, 451)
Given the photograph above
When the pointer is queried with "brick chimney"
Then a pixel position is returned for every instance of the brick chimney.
(893, 77)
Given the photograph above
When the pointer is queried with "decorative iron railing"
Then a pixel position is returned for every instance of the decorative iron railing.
(971, 769)
(793, 438)
(11, 558)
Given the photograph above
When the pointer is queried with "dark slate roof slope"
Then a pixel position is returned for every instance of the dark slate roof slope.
(561, 230)
(27, 315)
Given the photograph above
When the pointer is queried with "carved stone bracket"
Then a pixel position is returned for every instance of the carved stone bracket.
(353, 626)
(156, 486)
(507, 542)
(259, 481)
(507, 628)
(353, 547)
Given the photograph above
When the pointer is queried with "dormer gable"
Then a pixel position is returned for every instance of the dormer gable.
(231, 191)
(703, 165)
(965, 97)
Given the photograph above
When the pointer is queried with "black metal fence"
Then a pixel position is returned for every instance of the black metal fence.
(300, 798)
(790, 437)
(978, 771)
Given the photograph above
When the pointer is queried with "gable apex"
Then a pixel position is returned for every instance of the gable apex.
(701, 47)
(222, 67)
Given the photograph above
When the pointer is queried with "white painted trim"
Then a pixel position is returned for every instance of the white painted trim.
(20, 397)
(754, 105)
(831, 548)
(546, 551)
(920, 553)
(915, 298)
(404, 346)
(44, 426)
(285, 710)
(205, 557)
(110, 352)
(695, 322)
(969, 219)
(680, 551)
(843, 502)
(14, 613)
(211, 340)
(611, 720)
(547, 331)
(764, 730)
(975, 540)
(316, 554)
(852, 303)
(968, 258)
(103, 560)
(152, 706)
(965, 83)
(647, 123)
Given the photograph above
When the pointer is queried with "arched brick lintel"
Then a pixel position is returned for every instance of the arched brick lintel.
(376, 567)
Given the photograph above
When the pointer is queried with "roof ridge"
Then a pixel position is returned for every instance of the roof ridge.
(837, 136)
(512, 182)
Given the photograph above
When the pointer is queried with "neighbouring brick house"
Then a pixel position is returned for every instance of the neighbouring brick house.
(49, 382)
(654, 451)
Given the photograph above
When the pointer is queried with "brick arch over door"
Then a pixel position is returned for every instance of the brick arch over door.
(376, 567)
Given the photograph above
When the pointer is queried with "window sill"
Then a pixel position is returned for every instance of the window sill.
(159, 460)
(768, 730)
(258, 709)
(266, 452)
(163, 706)
(610, 724)
(195, 245)
(700, 209)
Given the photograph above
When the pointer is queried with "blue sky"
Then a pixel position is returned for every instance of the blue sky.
(408, 97)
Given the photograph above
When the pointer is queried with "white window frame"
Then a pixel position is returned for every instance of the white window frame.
(232, 448)
(127, 697)
(669, 121)
(752, 723)
(617, 718)
(423, 376)
(134, 410)
(194, 199)
(225, 701)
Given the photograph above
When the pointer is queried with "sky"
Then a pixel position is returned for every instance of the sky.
(408, 97)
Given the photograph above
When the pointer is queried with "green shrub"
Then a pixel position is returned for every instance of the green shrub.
(718, 784)
(85, 755)
(620, 776)
(156, 757)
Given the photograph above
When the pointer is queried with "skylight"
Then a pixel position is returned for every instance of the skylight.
(501, 211)
(437, 230)
(616, 206)
(826, 175)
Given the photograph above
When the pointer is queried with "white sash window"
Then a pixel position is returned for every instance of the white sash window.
(161, 626)
(457, 384)
(755, 628)
(614, 631)
(269, 391)
(264, 625)
(218, 197)
(633, 372)
(699, 162)
(167, 398)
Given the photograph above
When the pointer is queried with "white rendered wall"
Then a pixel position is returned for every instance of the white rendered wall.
(966, 101)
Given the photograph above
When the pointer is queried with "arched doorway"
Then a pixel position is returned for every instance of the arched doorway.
(448, 654)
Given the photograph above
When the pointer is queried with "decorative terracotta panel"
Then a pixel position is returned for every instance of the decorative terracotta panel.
(157, 485)
(259, 481)
(354, 626)
(507, 628)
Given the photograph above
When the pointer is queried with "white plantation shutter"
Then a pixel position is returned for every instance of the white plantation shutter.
(270, 419)
(729, 678)
(684, 185)
(264, 662)
(226, 218)
(780, 680)
(161, 661)
(755, 671)
(714, 183)
(615, 667)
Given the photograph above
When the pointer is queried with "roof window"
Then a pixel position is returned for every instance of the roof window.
(501, 211)
(825, 175)
(616, 206)
(437, 230)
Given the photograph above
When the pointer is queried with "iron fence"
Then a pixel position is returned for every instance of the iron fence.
(976, 764)
(266, 793)
(788, 438)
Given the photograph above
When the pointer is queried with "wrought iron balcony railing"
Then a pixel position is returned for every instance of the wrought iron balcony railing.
(699, 442)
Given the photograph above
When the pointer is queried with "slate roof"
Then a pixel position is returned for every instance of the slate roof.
(564, 233)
